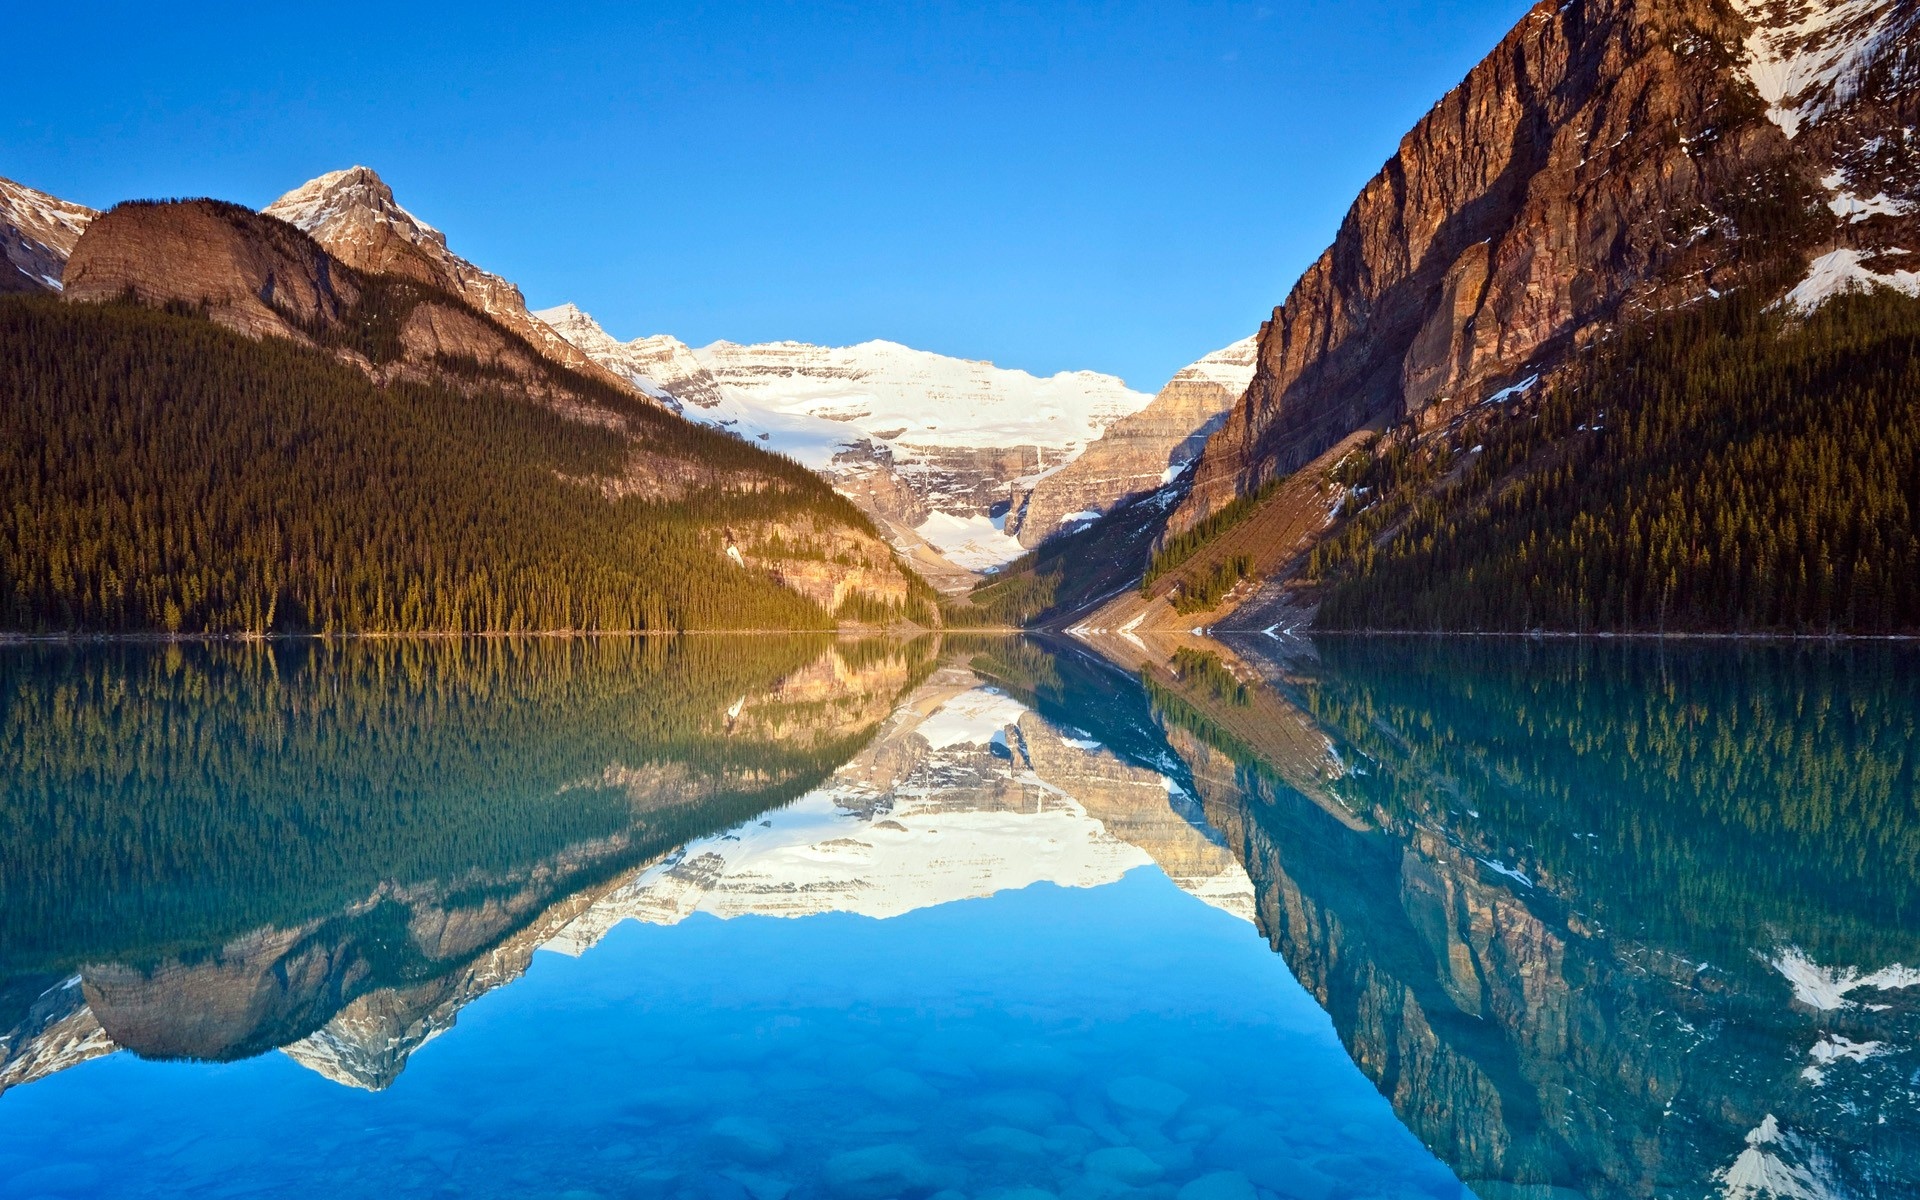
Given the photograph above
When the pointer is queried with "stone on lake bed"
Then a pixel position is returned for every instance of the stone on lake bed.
(760, 1187)
(1244, 1140)
(1289, 1178)
(1025, 1108)
(1141, 1096)
(896, 1086)
(1033, 1061)
(880, 1172)
(746, 1139)
(1128, 1164)
(1000, 1142)
(1220, 1185)
(60, 1179)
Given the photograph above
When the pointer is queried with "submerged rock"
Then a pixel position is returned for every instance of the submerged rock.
(1140, 1096)
(879, 1172)
(1219, 1185)
(1127, 1164)
(746, 1139)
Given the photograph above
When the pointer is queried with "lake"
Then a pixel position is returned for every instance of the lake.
(960, 919)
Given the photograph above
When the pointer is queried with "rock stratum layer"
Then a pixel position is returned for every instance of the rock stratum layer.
(1610, 157)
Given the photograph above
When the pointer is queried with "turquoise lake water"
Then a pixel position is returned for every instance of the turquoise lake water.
(976, 920)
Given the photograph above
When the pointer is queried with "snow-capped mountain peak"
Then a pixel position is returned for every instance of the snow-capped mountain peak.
(354, 215)
(661, 366)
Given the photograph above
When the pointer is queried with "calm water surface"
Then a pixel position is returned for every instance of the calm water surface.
(976, 920)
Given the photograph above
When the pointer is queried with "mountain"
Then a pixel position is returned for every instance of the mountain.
(1139, 453)
(353, 214)
(37, 232)
(381, 454)
(979, 461)
(1612, 166)
(1609, 157)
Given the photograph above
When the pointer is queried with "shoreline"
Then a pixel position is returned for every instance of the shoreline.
(182, 639)
(1596, 636)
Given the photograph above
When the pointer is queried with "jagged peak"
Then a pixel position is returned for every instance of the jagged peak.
(578, 326)
(339, 195)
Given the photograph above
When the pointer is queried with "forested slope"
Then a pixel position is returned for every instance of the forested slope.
(161, 473)
(1730, 467)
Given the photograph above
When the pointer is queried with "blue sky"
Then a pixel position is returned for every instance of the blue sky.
(1055, 187)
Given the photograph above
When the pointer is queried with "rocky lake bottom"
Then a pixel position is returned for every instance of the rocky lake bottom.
(1121, 1041)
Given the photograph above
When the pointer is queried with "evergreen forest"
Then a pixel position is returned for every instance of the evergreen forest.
(159, 473)
(1729, 467)
(158, 800)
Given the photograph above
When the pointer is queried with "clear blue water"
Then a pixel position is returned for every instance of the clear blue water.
(1113, 1041)
(796, 919)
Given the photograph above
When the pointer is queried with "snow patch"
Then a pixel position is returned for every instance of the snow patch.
(974, 541)
(971, 719)
(1513, 393)
(1827, 988)
(1500, 868)
(1762, 1173)
(1806, 56)
(1831, 1049)
(1853, 210)
(1842, 271)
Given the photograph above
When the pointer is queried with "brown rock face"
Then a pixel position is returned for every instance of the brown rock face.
(249, 272)
(263, 277)
(1609, 155)
(1139, 452)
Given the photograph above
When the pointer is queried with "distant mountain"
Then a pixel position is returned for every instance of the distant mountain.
(37, 233)
(980, 461)
(1139, 453)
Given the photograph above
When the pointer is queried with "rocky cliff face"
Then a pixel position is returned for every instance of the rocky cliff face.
(1138, 453)
(37, 233)
(248, 272)
(353, 214)
(1610, 156)
(265, 278)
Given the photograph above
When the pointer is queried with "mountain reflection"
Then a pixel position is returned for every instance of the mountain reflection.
(1598, 920)
(1618, 920)
(216, 851)
(400, 826)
